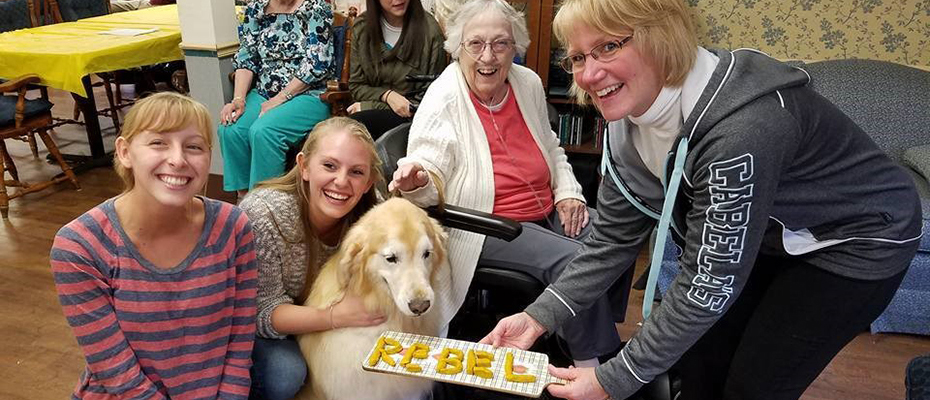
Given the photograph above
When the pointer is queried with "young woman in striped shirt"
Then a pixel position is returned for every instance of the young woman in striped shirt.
(159, 283)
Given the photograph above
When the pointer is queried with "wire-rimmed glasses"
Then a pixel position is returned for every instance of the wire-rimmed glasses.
(476, 46)
(604, 52)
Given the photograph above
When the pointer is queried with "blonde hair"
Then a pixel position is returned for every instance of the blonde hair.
(160, 113)
(292, 182)
(662, 31)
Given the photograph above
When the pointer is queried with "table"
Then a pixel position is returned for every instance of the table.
(64, 55)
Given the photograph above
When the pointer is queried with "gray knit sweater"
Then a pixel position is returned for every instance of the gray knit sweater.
(281, 250)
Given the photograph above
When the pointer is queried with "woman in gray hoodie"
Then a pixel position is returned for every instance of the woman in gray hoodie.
(795, 228)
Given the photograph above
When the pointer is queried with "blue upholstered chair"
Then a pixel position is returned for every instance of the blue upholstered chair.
(891, 102)
(17, 14)
(73, 10)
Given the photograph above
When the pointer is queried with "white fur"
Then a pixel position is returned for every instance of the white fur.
(389, 258)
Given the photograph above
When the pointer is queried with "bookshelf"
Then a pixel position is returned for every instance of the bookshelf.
(542, 56)
(580, 129)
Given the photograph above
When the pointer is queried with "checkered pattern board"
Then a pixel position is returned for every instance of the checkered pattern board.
(525, 363)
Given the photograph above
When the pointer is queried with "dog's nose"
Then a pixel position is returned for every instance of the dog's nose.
(418, 306)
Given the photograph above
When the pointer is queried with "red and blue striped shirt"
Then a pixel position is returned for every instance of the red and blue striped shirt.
(180, 333)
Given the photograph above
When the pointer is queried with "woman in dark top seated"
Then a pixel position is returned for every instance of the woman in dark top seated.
(389, 42)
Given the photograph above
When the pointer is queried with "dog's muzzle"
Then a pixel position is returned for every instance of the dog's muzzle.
(418, 307)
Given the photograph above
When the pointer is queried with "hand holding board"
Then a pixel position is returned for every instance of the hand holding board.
(501, 369)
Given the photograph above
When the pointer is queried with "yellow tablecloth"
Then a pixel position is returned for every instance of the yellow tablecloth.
(62, 54)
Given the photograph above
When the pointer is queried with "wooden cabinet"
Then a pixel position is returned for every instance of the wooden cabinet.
(545, 40)
(530, 10)
(542, 56)
(539, 14)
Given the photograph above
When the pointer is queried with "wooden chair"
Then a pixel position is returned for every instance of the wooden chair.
(19, 117)
(337, 93)
(22, 14)
(46, 12)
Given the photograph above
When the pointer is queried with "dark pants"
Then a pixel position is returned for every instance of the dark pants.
(378, 121)
(543, 251)
(790, 320)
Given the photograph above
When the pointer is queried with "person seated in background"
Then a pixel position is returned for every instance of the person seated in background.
(392, 40)
(299, 220)
(286, 49)
(159, 283)
(482, 134)
(129, 5)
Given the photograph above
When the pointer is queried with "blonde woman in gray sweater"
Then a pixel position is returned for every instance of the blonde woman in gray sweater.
(299, 220)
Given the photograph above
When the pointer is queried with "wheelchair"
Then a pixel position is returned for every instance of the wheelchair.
(494, 293)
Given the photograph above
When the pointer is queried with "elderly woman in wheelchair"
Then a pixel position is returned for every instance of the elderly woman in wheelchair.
(481, 140)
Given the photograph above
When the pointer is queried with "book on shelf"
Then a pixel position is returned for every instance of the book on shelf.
(570, 129)
(574, 130)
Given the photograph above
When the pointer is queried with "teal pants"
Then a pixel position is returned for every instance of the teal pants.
(254, 148)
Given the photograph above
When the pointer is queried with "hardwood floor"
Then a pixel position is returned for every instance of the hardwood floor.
(40, 358)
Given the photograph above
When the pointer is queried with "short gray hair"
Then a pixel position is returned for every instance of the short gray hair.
(455, 31)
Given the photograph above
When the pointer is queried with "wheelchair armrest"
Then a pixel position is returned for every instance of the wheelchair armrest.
(421, 77)
(518, 284)
(470, 220)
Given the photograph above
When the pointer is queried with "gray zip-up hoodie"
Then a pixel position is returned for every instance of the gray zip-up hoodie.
(770, 167)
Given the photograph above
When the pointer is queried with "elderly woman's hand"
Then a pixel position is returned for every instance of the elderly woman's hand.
(574, 216)
(273, 102)
(354, 108)
(232, 111)
(582, 384)
(409, 177)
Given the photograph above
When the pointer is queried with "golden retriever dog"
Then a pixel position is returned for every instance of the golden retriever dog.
(389, 258)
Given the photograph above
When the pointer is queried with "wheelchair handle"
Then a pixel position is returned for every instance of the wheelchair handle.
(421, 77)
(471, 220)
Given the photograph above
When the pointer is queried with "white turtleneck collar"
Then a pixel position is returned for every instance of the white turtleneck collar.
(654, 132)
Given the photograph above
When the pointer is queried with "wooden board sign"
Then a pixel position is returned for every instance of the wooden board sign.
(500, 369)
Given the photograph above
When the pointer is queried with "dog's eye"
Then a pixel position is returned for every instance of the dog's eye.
(426, 254)
(391, 259)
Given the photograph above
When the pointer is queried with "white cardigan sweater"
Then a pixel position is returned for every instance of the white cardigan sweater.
(447, 139)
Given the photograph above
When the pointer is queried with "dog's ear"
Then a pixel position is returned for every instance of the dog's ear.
(350, 259)
(438, 236)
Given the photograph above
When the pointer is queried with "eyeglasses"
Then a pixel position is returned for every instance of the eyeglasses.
(605, 52)
(475, 46)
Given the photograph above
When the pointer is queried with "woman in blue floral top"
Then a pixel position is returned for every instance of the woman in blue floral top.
(286, 49)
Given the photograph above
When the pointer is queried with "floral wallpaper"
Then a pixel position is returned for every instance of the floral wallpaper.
(891, 30)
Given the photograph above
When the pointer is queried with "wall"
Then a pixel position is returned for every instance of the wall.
(891, 30)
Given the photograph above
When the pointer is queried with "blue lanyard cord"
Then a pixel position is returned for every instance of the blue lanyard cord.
(664, 221)
(607, 166)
